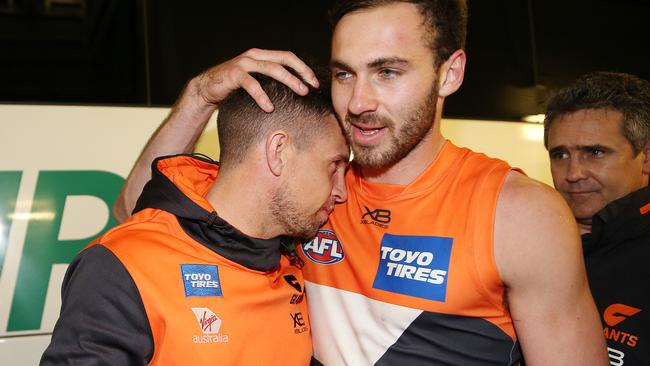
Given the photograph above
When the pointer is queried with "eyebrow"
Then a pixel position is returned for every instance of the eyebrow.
(557, 149)
(594, 146)
(377, 63)
(385, 61)
(579, 147)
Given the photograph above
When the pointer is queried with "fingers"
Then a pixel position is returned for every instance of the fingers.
(255, 90)
(219, 81)
(285, 58)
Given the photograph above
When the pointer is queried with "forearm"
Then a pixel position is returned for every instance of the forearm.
(582, 330)
(562, 334)
(177, 134)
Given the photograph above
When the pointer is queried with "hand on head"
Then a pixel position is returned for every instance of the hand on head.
(214, 84)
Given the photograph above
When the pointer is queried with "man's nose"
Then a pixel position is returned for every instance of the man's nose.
(575, 170)
(363, 97)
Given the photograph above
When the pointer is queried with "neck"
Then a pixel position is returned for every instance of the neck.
(412, 165)
(238, 202)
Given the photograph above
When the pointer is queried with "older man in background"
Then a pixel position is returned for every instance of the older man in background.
(597, 132)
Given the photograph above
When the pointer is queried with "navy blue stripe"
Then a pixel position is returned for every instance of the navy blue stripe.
(442, 339)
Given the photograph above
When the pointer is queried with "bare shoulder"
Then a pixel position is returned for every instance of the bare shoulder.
(533, 205)
(520, 192)
(533, 227)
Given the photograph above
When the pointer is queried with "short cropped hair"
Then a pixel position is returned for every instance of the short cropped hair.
(241, 123)
(621, 92)
(445, 21)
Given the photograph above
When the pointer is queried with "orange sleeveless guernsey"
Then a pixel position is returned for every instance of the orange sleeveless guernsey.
(405, 275)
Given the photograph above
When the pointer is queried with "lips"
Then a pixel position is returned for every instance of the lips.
(367, 135)
(369, 131)
(580, 195)
(368, 128)
(580, 192)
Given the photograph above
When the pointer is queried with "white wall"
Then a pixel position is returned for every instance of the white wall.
(519, 143)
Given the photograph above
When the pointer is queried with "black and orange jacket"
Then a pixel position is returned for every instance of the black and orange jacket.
(176, 285)
(617, 256)
(406, 275)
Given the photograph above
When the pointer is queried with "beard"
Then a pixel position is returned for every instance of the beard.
(402, 139)
(295, 222)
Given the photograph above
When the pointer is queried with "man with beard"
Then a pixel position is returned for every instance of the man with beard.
(597, 131)
(197, 274)
(440, 255)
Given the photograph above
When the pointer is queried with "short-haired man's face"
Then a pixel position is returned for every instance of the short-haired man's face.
(592, 163)
(314, 182)
(383, 82)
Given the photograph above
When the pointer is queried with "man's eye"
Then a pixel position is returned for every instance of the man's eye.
(559, 155)
(338, 167)
(597, 152)
(388, 73)
(341, 75)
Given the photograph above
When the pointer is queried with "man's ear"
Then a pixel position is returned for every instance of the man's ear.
(451, 73)
(646, 158)
(276, 151)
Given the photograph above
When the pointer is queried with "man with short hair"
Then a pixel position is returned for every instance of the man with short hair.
(597, 132)
(199, 274)
(440, 255)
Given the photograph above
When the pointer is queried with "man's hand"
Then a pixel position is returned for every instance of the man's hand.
(214, 85)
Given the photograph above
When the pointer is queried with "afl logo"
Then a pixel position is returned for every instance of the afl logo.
(325, 248)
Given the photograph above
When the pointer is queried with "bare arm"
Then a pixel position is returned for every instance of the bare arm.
(539, 257)
(181, 129)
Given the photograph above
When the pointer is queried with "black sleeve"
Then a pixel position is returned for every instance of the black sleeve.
(103, 320)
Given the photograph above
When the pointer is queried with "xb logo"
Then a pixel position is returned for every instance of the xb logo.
(616, 313)
(299, 323)
(298, 320)
(378, 215)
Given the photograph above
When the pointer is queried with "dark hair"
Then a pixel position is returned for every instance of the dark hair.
(625, 93)
(445, 21)
(241, 123)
